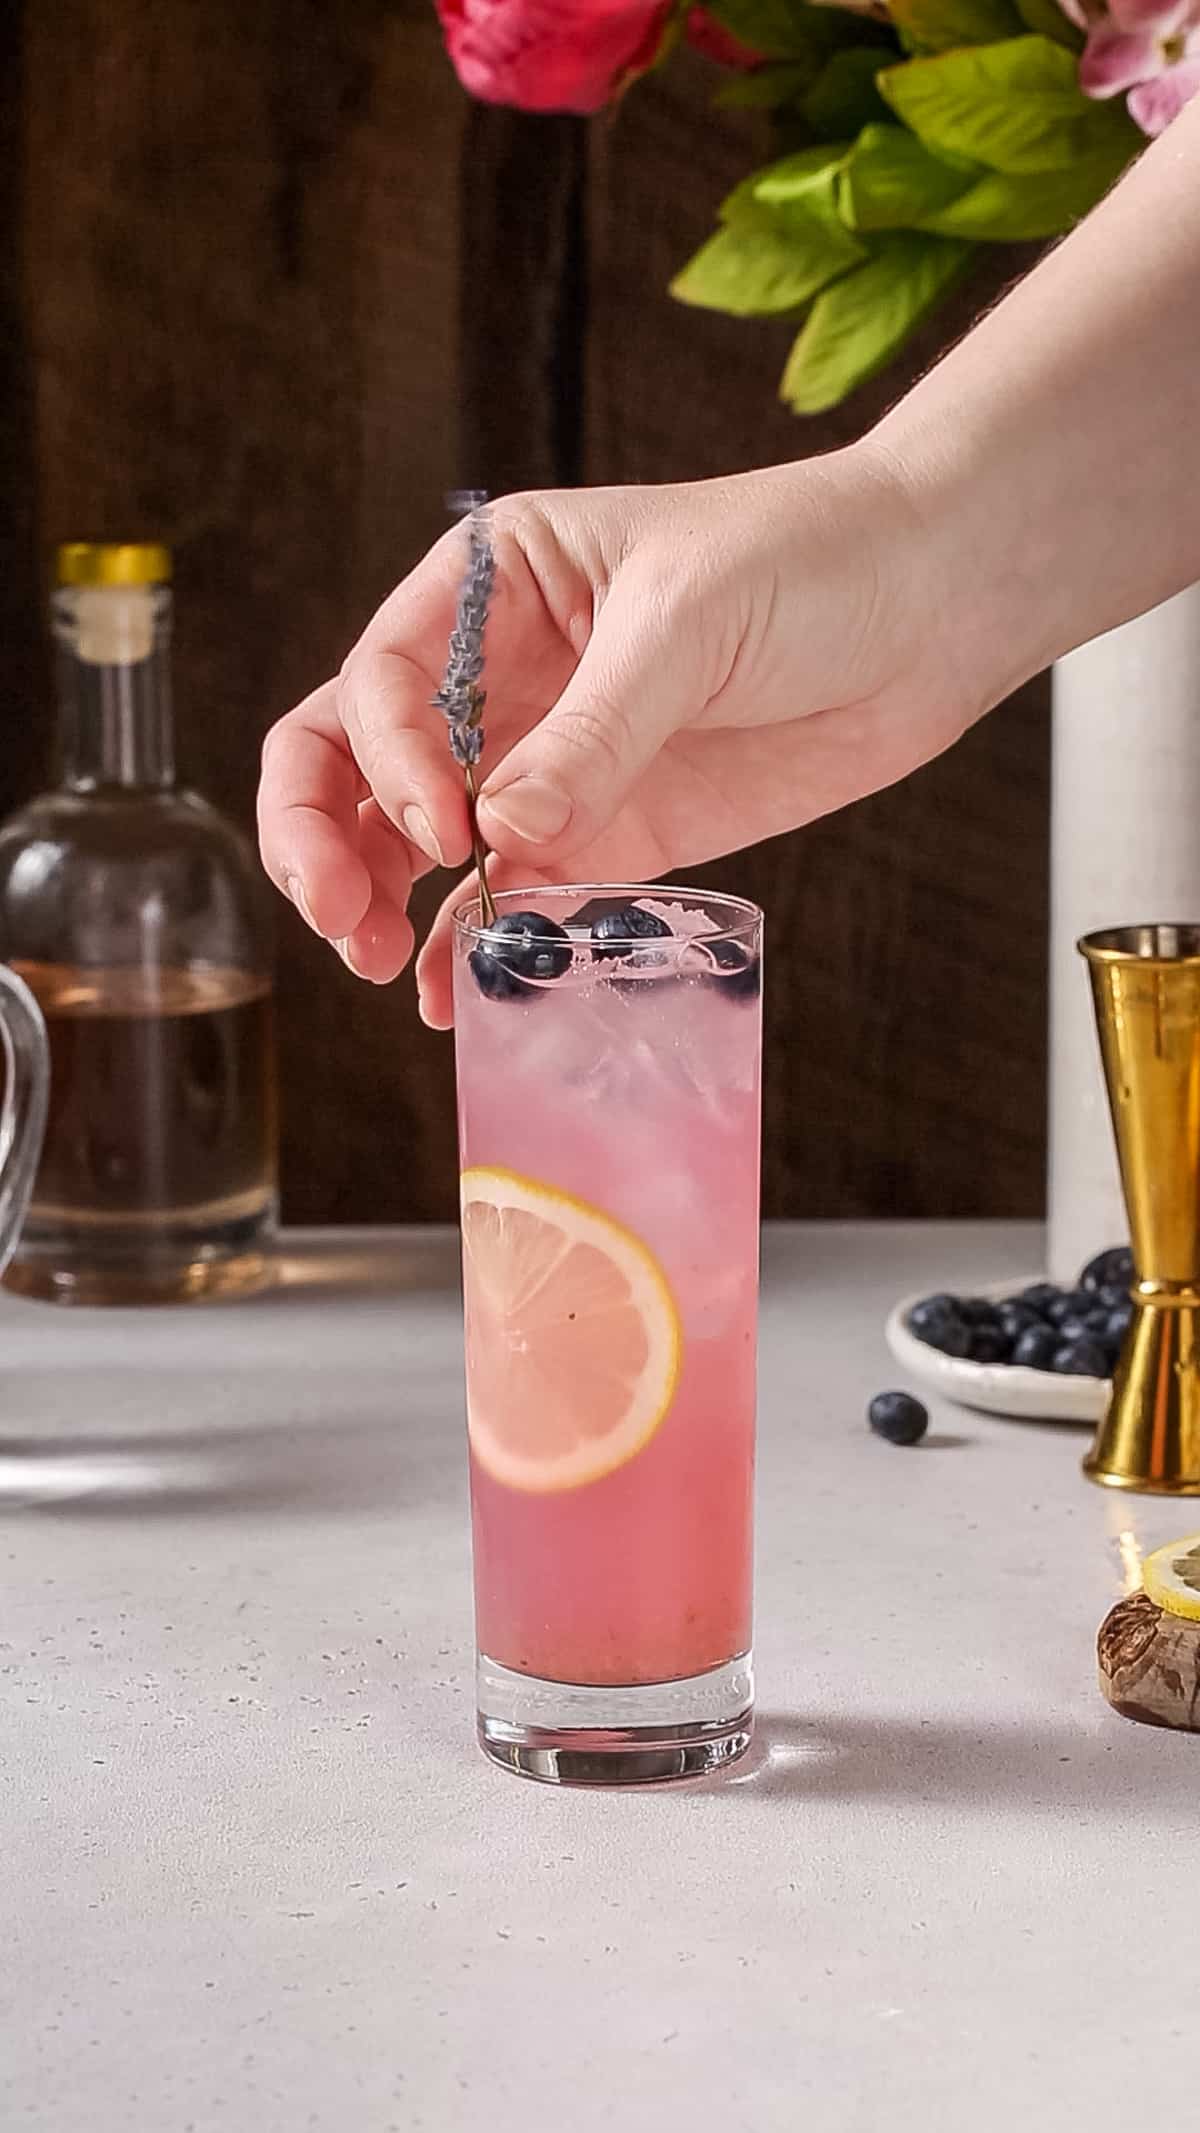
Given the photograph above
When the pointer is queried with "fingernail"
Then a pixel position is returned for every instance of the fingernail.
(530, 808)
(343, 949)
(295, 889)
(416, 825)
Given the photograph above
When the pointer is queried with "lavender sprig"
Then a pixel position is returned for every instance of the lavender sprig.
(460, 698)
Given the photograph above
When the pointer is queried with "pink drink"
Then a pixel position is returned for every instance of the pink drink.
(635, 1093)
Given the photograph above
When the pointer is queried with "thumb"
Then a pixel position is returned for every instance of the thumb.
(638, 681)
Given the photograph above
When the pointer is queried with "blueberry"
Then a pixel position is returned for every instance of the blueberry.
(521, 945)
(932, 1311)
(1015, 1318)
(494, 979)
(1116, 1331)
(614, 932)
(977, 1311)
(1109, 1268)
(1074, 1328)
(950, 1337)
(1115, 1296)
(1035, 1348)
(898, 1417)
(1082, 1358)
(1039, 1296)
(740, 974)
(989, 1345)
(1069, 1303)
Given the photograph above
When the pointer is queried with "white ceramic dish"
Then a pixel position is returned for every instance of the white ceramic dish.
(996, 1388)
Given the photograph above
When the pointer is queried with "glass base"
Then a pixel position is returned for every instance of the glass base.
(150, 1262)
(646, 1735)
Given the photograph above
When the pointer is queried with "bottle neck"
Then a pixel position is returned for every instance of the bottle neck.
(114, 680)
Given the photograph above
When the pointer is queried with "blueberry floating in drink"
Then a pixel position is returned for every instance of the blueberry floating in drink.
(740, 975)
(520, 946)
(615, 934)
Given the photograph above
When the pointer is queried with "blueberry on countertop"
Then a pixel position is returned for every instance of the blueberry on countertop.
(1110, 1269)
(1082, 1358)
(1036, 1347)
(615, 933)
(521, 945)
(898, 1417)
(740, 974)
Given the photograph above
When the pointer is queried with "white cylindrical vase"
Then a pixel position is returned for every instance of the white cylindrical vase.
(1124, 847)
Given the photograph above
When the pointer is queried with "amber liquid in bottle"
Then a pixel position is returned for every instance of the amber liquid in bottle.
(196, 1152)
(138, 924)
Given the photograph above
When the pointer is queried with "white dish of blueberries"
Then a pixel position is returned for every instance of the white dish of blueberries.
(1022, 1348)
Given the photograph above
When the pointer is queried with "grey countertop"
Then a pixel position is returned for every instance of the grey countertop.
(255, 1875)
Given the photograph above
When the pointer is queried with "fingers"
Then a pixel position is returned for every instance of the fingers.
(380, 945)
(308, 816)
(640, 678)
(399, 744)
(397, 737)
(348, 870)
(541, 606)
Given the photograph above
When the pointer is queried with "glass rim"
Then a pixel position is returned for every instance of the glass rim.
(1144, 944)
(749, 920)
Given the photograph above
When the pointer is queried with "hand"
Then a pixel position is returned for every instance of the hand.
(672, 673)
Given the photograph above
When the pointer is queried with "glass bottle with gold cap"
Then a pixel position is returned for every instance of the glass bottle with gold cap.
(137, 916)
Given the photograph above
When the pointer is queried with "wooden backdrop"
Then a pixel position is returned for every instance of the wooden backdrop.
(268, 287)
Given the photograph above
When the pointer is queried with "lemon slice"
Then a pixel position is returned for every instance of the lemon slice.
(1171, 1577)
(573, 1338)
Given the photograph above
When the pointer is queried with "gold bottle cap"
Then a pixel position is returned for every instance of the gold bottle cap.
(114, 563)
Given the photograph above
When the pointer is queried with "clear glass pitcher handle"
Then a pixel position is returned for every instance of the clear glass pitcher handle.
(26, 1054)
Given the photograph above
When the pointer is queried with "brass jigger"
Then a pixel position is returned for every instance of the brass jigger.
(1146, 991)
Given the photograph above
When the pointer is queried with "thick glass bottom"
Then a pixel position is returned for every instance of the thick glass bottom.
(158, 1259)
(645, 1735)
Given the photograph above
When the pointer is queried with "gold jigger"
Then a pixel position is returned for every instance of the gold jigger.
(1146, 991)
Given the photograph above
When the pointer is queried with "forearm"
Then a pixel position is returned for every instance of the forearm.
(1051, 457)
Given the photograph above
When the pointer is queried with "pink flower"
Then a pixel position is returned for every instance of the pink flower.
(1148, 50)
(551, 55)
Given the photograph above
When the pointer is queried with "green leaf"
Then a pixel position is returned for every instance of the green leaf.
(794, 191)
(779, 29)
(796, 29)
(1016, 210)
(1046, 19)
(757, 273)
(939, 25)
(844, 96)
(801, 176)
(857, 326)
(764, 88)
(1015, 106)
(891, 181)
